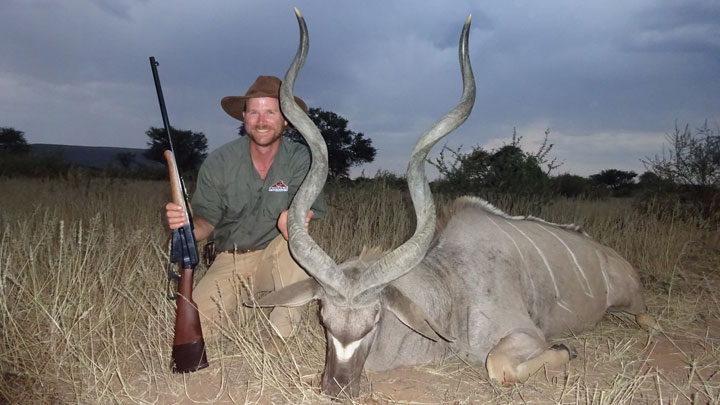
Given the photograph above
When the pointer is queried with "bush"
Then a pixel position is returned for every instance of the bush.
(13, 164)
(571, 185)
(383, 177)
(692, 159)
(508, 170)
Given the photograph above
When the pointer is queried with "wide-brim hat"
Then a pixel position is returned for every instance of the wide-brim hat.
(264, 86)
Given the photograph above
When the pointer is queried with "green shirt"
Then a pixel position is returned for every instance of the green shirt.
(242, 207)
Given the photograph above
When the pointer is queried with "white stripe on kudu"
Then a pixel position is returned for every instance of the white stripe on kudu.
(522, 258)
(542, 256)
(586, 288)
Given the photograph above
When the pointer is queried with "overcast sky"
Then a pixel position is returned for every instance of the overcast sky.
(609, 78)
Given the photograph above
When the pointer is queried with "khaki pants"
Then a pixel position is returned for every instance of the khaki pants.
(269, 269)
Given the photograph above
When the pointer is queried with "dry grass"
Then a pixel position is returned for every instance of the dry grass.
(83, 318)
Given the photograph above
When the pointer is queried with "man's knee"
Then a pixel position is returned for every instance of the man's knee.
(285, 269)
(285, 321)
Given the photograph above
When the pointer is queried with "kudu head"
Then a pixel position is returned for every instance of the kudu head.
(355, 295)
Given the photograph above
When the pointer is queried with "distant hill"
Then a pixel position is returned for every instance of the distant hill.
(98, 157)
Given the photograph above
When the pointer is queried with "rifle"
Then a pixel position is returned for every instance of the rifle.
(188, 352)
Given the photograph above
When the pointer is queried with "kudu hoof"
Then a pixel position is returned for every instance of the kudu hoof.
(572, 353)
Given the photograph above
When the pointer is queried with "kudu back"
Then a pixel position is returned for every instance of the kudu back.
(490, 289)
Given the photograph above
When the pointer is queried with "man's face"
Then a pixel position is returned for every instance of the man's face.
(264, 122)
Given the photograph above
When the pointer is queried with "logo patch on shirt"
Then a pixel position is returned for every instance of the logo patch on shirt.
(278, 187)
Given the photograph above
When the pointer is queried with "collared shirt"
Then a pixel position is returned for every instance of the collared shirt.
(242, 207)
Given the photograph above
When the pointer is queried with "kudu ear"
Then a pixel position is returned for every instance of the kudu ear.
(294, 295)
(412, 315)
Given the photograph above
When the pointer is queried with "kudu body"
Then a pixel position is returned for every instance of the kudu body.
(490, 289)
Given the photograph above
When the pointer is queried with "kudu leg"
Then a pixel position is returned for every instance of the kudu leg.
(519, 355)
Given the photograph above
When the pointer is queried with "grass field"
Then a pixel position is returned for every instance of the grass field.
(84, 318)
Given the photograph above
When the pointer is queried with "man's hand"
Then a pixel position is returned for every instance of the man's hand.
(176, 218)
(282, 223)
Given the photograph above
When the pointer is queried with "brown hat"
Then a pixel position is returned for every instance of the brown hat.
(264, 86)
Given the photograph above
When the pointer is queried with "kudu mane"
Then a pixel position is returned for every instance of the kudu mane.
(475, 202)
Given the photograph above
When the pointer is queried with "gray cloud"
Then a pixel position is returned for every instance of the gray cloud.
(681, 28)
(595, 73)
(118, 8)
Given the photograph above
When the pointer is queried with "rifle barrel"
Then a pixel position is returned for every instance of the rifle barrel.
(158, 87)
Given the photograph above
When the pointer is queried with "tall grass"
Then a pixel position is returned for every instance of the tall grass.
(84, 319)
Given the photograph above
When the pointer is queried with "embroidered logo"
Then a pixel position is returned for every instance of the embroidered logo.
(278, 187)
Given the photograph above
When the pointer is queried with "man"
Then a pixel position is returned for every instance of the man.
(243, 192)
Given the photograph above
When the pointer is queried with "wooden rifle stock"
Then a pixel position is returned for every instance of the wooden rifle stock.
(188, 352)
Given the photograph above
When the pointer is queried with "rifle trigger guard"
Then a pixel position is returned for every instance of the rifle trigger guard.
(172, 276)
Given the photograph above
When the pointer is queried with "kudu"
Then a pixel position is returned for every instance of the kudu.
(489, 289)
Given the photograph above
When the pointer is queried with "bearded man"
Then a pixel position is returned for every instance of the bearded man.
(243, 192)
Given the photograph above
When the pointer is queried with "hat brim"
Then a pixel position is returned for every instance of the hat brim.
(234, 106)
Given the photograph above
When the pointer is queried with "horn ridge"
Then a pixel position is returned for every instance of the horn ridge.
(310, 256)
(401, 260)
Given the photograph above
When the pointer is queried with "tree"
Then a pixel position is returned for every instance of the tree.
(507, 170)
(652, 182)
(571, 185)
(463, 170)
(12, 140)
(346, 148)
(190, 147)
(514, 171)
(693, 159)
(614, 179)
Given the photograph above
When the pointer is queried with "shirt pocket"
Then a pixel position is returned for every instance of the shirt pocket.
(237, 205)
(274, 203)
